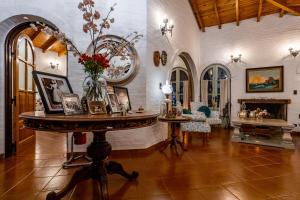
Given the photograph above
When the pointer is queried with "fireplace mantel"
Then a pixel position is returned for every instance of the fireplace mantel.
(264, 101)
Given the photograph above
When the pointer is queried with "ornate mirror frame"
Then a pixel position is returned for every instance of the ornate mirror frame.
(127, 72)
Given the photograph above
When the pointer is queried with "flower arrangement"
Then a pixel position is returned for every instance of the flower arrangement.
(94, 24)
(94, 63)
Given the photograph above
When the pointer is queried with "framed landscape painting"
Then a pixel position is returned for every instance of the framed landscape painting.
(266, 79)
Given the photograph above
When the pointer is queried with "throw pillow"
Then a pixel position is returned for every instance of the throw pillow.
(186, 111)
(205, 110)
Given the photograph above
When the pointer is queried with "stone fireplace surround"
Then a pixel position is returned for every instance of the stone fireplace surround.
(278, 108)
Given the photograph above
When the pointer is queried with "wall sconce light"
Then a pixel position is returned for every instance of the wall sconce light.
(166, 27)
(293, 52)
(236, 59)
(53, 66)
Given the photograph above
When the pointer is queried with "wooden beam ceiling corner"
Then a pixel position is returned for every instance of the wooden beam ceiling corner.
(260, 6)
(237, 12)
(283, 6)
(200, 22)
(35, 35)
(282, 12)
(62, 52)
(217, 14)
(48, 44)
(197, 15)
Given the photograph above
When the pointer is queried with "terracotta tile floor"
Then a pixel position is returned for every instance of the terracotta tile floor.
(220, 170)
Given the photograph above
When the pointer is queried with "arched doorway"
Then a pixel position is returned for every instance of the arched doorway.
(182, 79)
(215, 87)
(21, 45)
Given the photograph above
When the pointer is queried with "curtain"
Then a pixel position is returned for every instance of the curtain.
(185, 94)
(224, 97)
(204, 92)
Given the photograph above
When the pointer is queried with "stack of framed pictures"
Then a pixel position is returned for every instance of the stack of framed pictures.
(57, 95)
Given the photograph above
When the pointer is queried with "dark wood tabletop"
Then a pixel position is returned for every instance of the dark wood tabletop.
(177, 119)
(38, 120)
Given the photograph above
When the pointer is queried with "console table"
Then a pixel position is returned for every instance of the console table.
(287, 140)
(98, 150)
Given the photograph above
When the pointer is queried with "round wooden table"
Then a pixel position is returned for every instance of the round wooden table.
(98, 150)
(174, 126)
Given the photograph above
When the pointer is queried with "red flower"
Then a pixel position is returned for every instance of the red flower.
(83, 58)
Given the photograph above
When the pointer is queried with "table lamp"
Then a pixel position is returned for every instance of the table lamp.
(167, 90)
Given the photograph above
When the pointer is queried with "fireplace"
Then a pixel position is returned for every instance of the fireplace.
(276, 107)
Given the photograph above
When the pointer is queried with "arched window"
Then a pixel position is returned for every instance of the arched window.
(215, 86)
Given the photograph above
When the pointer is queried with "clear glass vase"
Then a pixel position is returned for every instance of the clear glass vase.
(94, 92)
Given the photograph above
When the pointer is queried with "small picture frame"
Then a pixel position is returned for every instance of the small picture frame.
(51, 88)
(114, 103)
(97, 107)
(123, 96)
(71, 104)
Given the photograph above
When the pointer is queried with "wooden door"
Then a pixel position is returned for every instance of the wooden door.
(24, 88)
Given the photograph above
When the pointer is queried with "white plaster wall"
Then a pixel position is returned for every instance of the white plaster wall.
(261, 44)
(42, 62)
(131, 15)
(185, 39)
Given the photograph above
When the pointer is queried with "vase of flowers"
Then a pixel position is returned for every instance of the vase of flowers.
(94, 86)
(93, 62)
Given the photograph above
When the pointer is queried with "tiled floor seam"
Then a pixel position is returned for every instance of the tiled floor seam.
(16, 184)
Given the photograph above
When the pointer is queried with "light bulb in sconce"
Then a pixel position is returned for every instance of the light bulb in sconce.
(236, 59)
(54, 66)
(167, 88)
(293, 52)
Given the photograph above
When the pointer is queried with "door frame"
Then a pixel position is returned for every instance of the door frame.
(9, 56)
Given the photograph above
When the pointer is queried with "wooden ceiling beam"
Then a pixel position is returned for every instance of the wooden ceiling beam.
(282, 12)
(35, 35)
(217, 14)
(202, 27)
(292, 2)
(237, 12)
(260, 6)
(62, 52)
(197, 15)
(283, 6)
(48, 44)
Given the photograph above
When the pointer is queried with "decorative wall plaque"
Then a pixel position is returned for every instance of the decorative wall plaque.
(156, 58)
(164, 58)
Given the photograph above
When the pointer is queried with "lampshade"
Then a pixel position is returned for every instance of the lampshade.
(167, 88)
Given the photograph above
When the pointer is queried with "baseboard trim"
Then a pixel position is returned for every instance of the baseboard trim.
(127, 151)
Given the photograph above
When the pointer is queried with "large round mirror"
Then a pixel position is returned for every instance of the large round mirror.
(125, 62)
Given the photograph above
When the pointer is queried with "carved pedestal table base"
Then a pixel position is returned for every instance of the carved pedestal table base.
(98, 150)
(174, 125)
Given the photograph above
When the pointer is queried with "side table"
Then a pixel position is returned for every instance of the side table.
(174, 125)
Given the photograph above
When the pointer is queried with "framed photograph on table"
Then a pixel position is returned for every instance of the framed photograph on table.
(265, 79)
(51, 88)
(114, 103)
(72, 104)
(123, 97)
